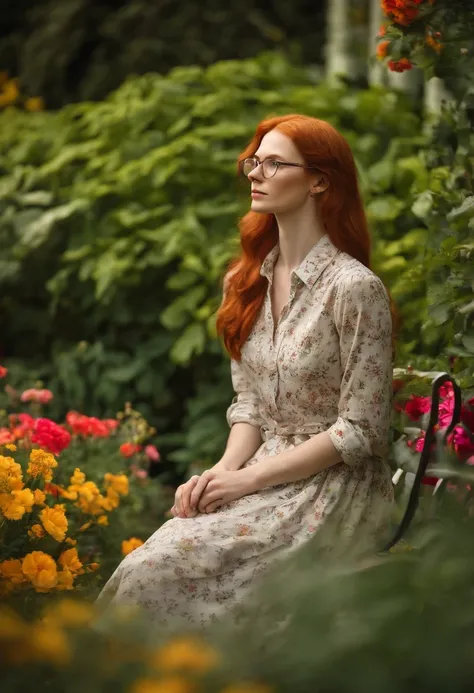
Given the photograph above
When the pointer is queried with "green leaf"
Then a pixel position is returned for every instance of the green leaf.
(385, 208)
(423, 204)
(192, 341)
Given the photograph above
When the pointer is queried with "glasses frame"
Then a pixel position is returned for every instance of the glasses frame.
(276, 161)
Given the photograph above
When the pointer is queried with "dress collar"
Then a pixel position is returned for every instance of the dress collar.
(313, 265)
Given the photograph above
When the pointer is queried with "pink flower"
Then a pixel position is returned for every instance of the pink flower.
(34, 395)
(461, 442)
(152, 453)
(3, 371)
(6, 436)
(415, 407)
(48, 434)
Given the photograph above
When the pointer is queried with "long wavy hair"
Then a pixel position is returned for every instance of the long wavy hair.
(341, 209)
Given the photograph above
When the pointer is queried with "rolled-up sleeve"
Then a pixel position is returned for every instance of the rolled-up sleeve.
(245, 406)
(364, 324)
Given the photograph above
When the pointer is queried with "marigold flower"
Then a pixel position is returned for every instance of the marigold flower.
(78, 478)
(3, 372)
(112, 500)
(15, 505)
(41, 464)
(39, 496)
(70, 612)
(129, 545)
(11, 477)
(70, 560)
(34, 104)
(400, 65)
(103, 520)
(49, 643)
(11, 570)
(118, 482)
(41, 570)
(12, 447)
(48, 434)
(170, 684)
(55, 522)
(65, 580)
(85, 526)
(185, 653)
(36, 531)
(71, 542)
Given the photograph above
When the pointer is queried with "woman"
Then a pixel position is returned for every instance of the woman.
(309, 330)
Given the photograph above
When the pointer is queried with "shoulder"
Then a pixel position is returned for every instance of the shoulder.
(356, 283)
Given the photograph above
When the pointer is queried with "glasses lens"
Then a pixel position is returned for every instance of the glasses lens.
(270, 167)
(248, 166)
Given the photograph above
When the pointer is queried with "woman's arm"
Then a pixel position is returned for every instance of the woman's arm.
(243, 442)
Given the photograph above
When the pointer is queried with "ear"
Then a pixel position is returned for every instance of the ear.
(319, 184)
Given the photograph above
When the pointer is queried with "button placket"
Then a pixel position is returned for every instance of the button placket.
(279, 332)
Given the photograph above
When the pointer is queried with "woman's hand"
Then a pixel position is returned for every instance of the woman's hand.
(217, 487)
(182, 506)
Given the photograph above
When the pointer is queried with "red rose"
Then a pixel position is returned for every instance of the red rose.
(51, 436)
(415, 407)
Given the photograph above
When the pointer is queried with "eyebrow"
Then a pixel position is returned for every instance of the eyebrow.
(268, 156)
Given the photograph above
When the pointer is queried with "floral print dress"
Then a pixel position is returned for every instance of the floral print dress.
(326, 366)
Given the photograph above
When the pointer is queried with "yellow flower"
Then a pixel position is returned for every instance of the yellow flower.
(65, 580)
(36, 531)
(70, 560)
(50, 643)
(40, 497)
(11, 477)
(11, 446)
(70, 612)
(112, 500)
(17, 503)
(118, 482)
(89, 498)
(187, 653)
(78, 478)
(41, 464)
(11, 570)
(129, 545)
(12, 627)
(247, 688)
(171, 684)
(34, 104)
(10, 93)
(41, 570)
(103, 520)
(55, 522)
(85, 526)
(71, 542)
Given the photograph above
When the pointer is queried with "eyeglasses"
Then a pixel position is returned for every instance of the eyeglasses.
(269, 166)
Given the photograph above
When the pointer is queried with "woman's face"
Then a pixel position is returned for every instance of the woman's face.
(289, 189)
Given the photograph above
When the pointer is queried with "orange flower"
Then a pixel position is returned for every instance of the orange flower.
(185, 653)
(70, 560)
(65, 580)
(41, 570)
(433, 43)
(382, 49)
(55, 522)
(36, 532)
(39, 496)
(41, 464)
(11, 570)
(118, 482)
(130, 545)
(402, 12)
(400, 65)
(35, 103)
(129, 449)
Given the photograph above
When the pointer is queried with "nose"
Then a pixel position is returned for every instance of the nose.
(256, 173)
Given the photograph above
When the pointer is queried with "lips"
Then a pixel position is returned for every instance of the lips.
(259, 192)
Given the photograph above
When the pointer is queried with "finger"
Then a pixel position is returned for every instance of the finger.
(211, 507)
(198, 490)
(177, 499)
(206, 498)
(186, 494)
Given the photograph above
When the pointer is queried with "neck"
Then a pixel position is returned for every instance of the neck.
(298, 232)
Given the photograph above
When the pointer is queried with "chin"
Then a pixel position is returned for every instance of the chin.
(260, 207)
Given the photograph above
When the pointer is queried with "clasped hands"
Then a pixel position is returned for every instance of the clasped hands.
(212, 489)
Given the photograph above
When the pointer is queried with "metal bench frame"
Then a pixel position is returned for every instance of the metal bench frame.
(430, 438)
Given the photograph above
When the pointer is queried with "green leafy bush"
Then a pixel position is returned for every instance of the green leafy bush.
(119, 218)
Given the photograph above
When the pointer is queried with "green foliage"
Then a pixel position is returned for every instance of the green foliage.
(119, 218)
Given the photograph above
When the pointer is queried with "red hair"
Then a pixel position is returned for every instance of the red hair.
(342, 212)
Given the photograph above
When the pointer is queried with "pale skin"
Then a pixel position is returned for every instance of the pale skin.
(291, 195)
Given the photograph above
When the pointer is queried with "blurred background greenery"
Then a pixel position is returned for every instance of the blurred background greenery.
(119, 199)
